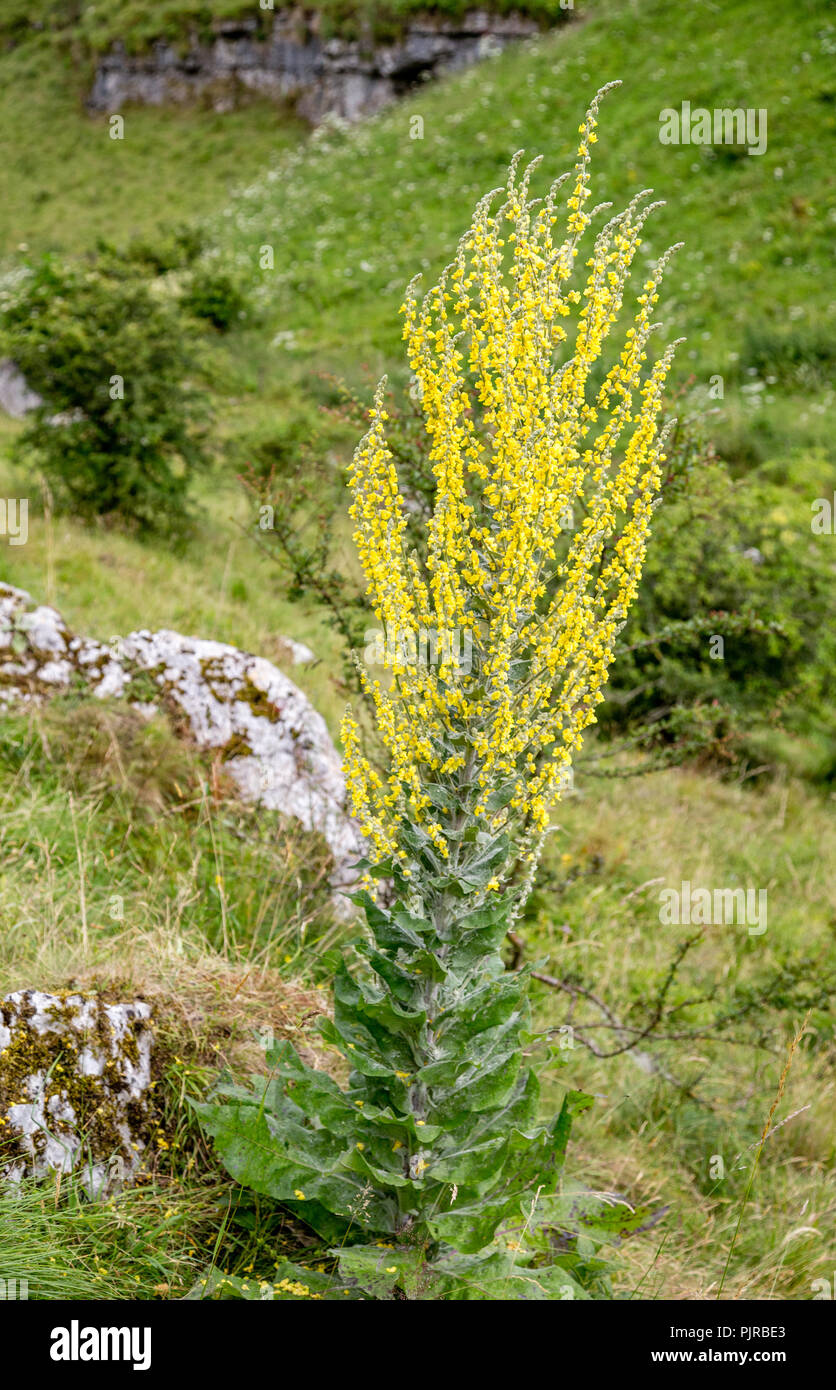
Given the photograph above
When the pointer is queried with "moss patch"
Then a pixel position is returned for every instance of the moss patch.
(54, 1057)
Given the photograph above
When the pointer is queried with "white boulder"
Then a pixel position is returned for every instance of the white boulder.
(274, 744)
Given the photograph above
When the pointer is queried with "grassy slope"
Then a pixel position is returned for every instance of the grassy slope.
(352, 224)
(352, 217)
(64, 182)
(598, 923)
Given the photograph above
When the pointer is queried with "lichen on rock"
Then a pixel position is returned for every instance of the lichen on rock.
(273, 743)
(75, 1087)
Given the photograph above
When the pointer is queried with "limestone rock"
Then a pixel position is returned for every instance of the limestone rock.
(290, 62)
(273, 743)
(299, 653)
(75, 1074)
(16, 396)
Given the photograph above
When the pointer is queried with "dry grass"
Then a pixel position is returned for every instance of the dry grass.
(654, 1140)
(211, 1012)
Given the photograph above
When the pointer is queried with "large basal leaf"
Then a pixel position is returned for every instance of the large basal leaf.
(534, 1161)
(259, 1156)
(499, 1276)
(379, 1269)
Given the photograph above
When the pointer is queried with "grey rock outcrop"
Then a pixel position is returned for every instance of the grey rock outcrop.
(295, 64)
(273, 743)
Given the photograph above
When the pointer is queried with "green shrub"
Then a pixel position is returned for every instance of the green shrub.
(118, 432)
(216, 296)
(173, 248)
(733, 559)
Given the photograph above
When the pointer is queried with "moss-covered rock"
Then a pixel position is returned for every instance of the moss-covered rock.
(75, 1078)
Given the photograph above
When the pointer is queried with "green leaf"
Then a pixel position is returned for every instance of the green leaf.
(378, 1271)
(501, 1276)
(483, 866)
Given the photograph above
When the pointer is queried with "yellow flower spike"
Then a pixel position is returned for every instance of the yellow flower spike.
(503, 349)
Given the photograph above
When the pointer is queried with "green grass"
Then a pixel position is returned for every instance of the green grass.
(130, 869)
(138, 23)
(113, 829)
(142, 1244)
(354, 219)
(595, 919)
(64, 182)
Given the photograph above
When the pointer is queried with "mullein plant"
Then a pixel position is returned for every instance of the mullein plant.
(419, 1168)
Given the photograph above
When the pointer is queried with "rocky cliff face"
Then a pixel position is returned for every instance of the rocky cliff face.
(294, 64)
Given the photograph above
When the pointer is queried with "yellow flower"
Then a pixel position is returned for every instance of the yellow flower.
(505, 351)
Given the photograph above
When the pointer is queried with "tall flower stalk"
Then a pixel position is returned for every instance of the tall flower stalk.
(436, 1140)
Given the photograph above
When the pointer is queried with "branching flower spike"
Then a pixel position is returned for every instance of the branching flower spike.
(504, 349)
